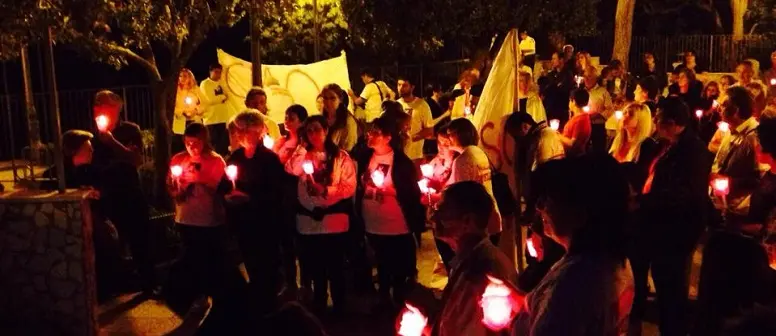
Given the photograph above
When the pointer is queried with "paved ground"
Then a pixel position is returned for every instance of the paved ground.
(133, 315)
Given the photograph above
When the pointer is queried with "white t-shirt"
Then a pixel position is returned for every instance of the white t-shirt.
(528, 44)
(217, 111)
(382, 213)
(473, 165)
(371, 94)
(420, 118)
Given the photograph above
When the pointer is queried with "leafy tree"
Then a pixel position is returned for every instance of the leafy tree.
(159, 35)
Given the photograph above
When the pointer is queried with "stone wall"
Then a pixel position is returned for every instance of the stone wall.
(47, 283)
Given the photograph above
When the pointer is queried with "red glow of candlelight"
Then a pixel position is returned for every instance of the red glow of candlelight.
(378, 178)
(427, 170)
(413, 322)
(176, 171)
(721, 185)
(773, 81)
(231, 172)
(554, 124)
(723, 126)
(102, 123)
(188, 100)
(498, 308)
(308, 167)
(531, 249)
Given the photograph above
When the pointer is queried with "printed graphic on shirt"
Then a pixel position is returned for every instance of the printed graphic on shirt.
(219, 90)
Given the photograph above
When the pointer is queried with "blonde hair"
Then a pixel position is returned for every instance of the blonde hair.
(644, 129)
(522, 74)
(248, 120)
(189, 81)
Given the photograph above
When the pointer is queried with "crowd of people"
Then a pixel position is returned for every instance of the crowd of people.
(619, 175)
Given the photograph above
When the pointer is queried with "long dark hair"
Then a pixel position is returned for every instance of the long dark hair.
(388, 127)
(342, 113)
(301, 114)
(332, 151)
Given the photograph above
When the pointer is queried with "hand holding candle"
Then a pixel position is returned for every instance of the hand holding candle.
(102, 123)
(413, 322)
(723, 127)
(308, 167)
(721, 185)
(498, 304)
(554, 124)
(698, 113)
(176, 171)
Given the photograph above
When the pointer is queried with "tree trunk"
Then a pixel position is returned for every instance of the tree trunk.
(256, 48)
(164, 100)
(623, 29)
(739, 9)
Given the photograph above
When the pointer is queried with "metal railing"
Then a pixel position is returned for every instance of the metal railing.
(717, 53)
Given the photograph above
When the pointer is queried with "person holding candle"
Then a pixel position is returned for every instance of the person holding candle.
(116, 157)
(327, 181)
(636, 127)
(673, 210)
(441, 169)
(199, 216)
(343, 126)
(388, 202)
(188, 107)
(256, 99)
(736, 158)
(473, 164)
(589, 291)
(258, 189)
(738, 266)
(463, 216)
(576, 133)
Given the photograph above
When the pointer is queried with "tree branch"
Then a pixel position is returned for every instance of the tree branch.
(150, 66)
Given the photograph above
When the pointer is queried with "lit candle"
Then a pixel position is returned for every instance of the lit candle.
(427, 170)
(531, 249)
(498, 308)
(555, 124)
(176, 171)
(188, 100)
(231, 173)
(467, 111)
(423, 184)
(721, 185)
(699, 113)
(723, 127)
(586, 109)
(413, 322)
(618, 115)
(378, 178)
(773, 81)
(268, 142)
(308, 167)
(102, 123)
(715, 104)
(578, 79)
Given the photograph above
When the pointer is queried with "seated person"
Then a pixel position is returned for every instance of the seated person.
(77, 151)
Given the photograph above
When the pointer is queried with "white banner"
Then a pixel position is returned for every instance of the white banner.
(285, 84)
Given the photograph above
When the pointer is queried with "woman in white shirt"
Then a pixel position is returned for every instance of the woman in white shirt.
(388, 201)
(636, 127)
(472, 164)
(188, 106)
(529, 99)
(327, 182)
(192, 182)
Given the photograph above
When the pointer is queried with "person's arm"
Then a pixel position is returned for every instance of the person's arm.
(130, 152)
(579, 136)
(427, 124)
(208, 88)
(351, 134)
(347, 181)
(367, 92)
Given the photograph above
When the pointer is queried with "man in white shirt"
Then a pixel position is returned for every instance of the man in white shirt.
(528, 49)
(257, 99)
(421, 120)
(600, 100)
(216, 112)
(371, 99)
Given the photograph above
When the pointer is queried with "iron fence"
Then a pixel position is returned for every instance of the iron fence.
(717, 53)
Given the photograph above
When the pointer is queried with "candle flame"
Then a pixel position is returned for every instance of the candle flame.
(188, 100)
(308, 167)
(102, 122)
(554, 124)
(497, 305)
(721, 185)
(176, 170)
(586, 109)
(231, 172)
(531, 249)
(412, 321)
(723, 126)
(699, 113)
(268, 142)
(378, 178)
(618, 115)
(423, 184)
(773, 81)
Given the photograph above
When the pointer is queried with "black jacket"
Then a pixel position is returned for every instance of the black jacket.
(678, 203)
(408, 194)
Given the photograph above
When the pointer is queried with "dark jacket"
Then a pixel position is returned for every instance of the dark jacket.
(676, 208)
(75, 177)
(408, 194)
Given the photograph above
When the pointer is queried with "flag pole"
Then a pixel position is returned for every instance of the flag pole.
(517, 69)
